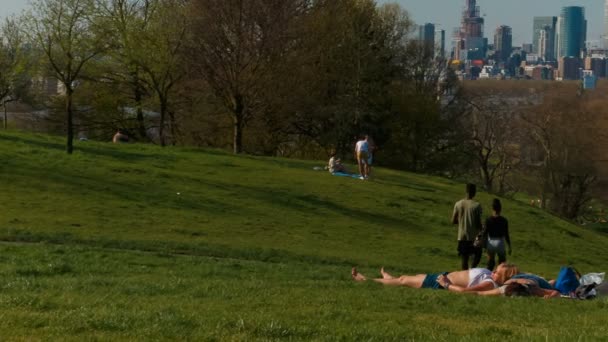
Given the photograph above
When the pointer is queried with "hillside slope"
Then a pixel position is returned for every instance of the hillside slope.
(213, 203)
(135, 242)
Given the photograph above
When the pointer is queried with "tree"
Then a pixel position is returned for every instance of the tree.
(236, 48)
(567, 135)
(14, 76)
(348, 60)
(491, 122)
(425, 115)
(157, 52)
(70, 35)
(130, 21)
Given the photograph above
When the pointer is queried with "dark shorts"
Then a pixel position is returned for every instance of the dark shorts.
(430, 281)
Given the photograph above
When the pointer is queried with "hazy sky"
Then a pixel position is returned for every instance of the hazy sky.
(8, 7)
(516, 13)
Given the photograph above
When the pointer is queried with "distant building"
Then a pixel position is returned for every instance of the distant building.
(532, 58)
(606, 25)
(597, 65)
(469, 43)
(426, 35)
(572, 33)
(527, 47)
(569, 68)
(503, 43)
(543, 24)
(538, 72)
(589, 80)
(546, 44)
(48, 86)
(440, 43)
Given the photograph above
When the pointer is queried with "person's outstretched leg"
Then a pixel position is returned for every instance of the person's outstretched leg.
(385, 275)
(356, 275)
(414, 281)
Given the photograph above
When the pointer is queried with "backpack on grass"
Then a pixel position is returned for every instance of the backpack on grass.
(567, 280)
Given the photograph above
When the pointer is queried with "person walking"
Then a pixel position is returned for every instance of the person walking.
(467, 215)
(497, 234)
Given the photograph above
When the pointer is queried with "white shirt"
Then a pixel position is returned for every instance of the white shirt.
(362, 146)
(480, 275)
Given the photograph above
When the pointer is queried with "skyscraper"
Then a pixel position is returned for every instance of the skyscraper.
(426, 35)
(503, 43)
(572, 32)
(469, 42)
(546, 47)
(540, 23)
(440, 43)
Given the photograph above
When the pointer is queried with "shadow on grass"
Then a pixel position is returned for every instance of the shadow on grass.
(112, 151)
(167, 248)
(125, 190)
(308, 203)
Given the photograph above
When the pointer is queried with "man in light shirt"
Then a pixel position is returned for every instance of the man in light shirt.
(467, 215)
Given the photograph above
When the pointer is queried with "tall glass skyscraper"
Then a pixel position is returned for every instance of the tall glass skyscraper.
(541, 24)
(572, 32)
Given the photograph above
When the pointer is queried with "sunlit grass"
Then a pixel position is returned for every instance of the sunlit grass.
(138, 242)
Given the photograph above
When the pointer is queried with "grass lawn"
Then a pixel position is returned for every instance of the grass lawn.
(138, 242)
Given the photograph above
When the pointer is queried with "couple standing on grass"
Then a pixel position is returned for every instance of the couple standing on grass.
(473, 237)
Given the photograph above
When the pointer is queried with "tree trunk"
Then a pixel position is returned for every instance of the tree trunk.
(70, 119)
(238, 134)
(141, 125)
(173, 125)
(5, 116)
(163, 113)
(238, 121)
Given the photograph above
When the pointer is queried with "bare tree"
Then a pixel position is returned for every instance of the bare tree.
(491, 122)
(237, 45)
(566, 133)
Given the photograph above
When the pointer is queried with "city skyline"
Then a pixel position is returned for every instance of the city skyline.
(518, 14)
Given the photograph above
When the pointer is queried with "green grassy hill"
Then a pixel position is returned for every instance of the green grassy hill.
(139, 242)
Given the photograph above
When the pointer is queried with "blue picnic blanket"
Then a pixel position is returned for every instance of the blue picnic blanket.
(342, 174)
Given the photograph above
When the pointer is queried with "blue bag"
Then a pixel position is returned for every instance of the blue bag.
(567, 280)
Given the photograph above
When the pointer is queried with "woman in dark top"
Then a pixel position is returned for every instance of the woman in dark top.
(496, 234)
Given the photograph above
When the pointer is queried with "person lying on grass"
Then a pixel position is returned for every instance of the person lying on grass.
(511, 288)
(475, 279)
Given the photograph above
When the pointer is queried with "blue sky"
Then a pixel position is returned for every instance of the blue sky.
(516, 13)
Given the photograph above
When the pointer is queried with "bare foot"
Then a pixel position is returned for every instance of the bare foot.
(386, 275)
(356, 275)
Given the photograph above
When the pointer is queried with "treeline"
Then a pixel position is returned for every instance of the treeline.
(295, 78)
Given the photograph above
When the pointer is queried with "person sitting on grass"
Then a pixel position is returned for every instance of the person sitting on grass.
(475, 279)
(511, 288)
(335, 164)
(120, 137)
